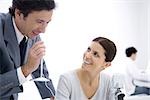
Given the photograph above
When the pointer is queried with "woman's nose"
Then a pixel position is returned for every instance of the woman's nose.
(88, 55)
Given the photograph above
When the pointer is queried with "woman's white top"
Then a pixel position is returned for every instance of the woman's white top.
(69, 88)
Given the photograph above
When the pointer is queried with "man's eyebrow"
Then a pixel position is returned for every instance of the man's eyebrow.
(41, 20)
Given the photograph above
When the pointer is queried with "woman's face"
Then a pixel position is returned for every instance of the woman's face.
(94, 58)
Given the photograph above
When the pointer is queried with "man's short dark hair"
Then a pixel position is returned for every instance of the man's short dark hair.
(130, 50)
(27, 6)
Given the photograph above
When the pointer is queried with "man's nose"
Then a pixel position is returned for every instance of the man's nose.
(43, 27)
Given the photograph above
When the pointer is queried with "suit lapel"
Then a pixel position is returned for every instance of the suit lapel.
(11, 40)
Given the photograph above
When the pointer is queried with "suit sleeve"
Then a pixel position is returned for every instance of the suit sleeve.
(9, 83)
(46, 89)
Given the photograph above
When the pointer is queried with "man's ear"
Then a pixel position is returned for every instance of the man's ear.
(17, 12)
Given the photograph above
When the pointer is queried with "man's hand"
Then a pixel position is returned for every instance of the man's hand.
(52, 98)
(36, 53)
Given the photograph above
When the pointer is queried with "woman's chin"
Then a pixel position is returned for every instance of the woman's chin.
(85, 67)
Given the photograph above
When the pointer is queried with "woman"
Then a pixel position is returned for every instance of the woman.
(88, 82)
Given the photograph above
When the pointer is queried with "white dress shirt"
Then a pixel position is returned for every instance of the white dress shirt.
(19, 35)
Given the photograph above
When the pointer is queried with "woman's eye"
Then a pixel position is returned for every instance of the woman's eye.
(95, 54)
(88, 49)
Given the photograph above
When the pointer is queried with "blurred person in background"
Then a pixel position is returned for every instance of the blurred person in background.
(137, 80)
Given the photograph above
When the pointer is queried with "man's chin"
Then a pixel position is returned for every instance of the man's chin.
(32, 36)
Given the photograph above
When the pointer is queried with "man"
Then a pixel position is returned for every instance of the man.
(137, 80)
(25, 21)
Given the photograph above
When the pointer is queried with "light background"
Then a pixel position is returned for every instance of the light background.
(76, 22)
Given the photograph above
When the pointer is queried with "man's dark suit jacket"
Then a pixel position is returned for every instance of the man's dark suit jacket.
(10, 61)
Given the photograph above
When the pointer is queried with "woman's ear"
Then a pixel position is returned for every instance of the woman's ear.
(107, 64)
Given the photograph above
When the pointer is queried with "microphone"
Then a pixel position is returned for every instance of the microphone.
(118, 81)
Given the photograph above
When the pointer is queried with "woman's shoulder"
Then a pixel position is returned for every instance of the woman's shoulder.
(69, 78)
(105, 75)
(70, 75)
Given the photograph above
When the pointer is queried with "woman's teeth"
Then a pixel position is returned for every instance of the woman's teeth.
(86, 62)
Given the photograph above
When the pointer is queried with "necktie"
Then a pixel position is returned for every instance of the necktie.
(22, 46)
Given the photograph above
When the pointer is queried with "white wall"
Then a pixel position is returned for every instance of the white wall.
(76, 22)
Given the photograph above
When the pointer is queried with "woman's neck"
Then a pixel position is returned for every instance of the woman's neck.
(88, 77)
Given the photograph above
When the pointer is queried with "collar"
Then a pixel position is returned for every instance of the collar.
(18, 33)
